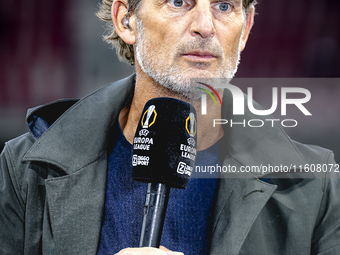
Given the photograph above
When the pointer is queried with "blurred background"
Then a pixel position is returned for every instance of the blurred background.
(52, 49)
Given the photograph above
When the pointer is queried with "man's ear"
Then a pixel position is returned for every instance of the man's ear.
(247, 29)
(123, 22)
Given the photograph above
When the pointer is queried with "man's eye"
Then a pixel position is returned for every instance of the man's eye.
(224, 6)
(178, 3)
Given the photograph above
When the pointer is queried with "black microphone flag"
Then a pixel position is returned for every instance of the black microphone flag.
(164, 147)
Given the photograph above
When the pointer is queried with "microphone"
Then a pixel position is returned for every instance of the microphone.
(164, 154)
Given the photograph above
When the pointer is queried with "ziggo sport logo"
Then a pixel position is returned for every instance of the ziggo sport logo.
(239, 102)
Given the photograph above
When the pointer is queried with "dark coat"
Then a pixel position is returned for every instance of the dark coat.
(52, 190)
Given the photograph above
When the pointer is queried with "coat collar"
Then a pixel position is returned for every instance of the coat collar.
(79, 136)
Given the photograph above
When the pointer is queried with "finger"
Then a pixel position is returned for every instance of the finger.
(170, 252)
(144, 251)
(163, 248)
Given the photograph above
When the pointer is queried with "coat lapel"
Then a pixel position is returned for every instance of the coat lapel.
(242, 196)
(239, 203)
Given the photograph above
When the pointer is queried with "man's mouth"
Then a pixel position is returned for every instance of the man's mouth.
(200, 56)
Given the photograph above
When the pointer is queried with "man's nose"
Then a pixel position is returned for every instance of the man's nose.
(202, 21)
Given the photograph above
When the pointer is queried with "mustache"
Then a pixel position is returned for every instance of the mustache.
(203, 45)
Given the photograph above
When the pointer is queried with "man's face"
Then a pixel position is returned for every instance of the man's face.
(182, 39)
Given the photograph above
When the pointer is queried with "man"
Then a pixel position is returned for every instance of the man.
(65, 186)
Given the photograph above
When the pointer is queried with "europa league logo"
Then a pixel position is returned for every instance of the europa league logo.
(149, 112)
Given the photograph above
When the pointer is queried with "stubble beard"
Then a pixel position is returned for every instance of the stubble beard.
(174, 79)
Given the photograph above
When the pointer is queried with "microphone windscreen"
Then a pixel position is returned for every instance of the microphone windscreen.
(164, 147)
